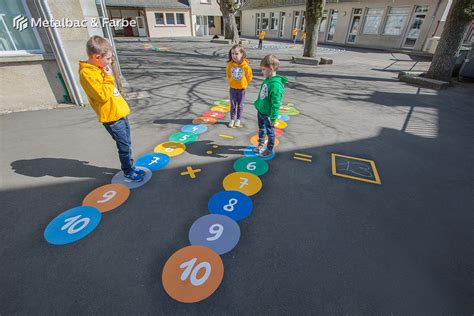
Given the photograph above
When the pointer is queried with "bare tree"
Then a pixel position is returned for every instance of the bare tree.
(229, 8)
(314, 12)
(457, 23)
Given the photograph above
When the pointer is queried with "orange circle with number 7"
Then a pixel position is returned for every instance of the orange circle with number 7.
(192, 274)
(254, 140)
(107, 197)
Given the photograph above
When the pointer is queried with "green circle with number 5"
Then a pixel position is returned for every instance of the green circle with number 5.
(254, 165)
(184, 137)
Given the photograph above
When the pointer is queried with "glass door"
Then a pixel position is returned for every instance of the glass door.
(415, 27)
(332, 25)
(282, 25)
(354, 26)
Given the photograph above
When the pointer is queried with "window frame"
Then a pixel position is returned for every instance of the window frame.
(24, 52)
(273, 26)
(407, 16)
(175, 15)
(366, 15)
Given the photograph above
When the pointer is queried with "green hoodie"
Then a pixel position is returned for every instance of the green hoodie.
(269, 97)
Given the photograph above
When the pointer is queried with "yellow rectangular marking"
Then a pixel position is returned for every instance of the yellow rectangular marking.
(226, 136)
(303, 155)
(303, 159)
(372, 164)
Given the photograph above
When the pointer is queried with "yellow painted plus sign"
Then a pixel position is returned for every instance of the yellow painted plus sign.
(191, 172)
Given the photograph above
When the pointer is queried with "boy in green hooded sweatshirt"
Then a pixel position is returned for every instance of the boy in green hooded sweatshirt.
(268, 103)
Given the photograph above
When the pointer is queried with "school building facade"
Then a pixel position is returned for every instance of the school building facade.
(383, 24)
(166, 18)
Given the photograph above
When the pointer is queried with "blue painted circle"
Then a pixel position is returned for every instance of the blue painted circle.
(153, 162)
(248, 152)
(120, 178)
(194, 128)
(234, 204)
(218, 232)
(283, 117)
(72, 225)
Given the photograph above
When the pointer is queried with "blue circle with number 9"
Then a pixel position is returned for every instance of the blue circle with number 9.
(234, 204)
(72, 225)
(153, 162)
(218, 232)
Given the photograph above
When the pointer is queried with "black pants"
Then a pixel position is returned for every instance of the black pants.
(260, 41)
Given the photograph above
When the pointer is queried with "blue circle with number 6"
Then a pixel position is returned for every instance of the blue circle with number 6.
(72, 225)
(234, 204)
(153, 162)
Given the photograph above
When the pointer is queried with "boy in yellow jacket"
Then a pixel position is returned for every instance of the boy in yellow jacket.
(111, 108)
(261, 37)
(239, 73)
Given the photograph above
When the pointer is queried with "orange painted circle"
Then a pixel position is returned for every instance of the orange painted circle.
(254, 140)
(220, 109)
(192, 274)
(107, 197)
(205, 120)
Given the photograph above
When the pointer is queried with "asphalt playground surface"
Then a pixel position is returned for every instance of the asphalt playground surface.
(315, 243)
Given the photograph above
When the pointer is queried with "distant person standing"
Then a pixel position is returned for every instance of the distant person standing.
(303, 38)
(261, 37)
(294, 34)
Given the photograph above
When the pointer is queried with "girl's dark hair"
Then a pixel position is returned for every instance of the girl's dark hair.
(239, 47)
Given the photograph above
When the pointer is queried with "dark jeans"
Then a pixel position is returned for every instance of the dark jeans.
(265, 129)
(294, 39)
(260, 41)
(120, 132)
(237, 97)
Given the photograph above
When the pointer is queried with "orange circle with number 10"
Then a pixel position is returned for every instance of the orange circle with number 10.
(192, 274)
(107, 197)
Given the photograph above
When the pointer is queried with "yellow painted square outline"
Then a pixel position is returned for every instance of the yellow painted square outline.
(372, 164)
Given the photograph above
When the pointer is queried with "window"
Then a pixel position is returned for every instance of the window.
(396, 21)
(159, 18)
(258, 23)
(206, 1)
(169, 18)
(324, 21)
(372, 21)
(264, 22)
(302, 21)
(274, 21)
(180, 19)
(11, 39)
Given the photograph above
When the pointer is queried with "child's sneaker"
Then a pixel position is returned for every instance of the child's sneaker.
(132, 176)
(237, 123)
(231, 123)
(139, 171)
(258, 148)
(266, 153)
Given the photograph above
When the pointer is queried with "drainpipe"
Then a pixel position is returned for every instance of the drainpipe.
(60, 55)
(431, 23)
(109, 35)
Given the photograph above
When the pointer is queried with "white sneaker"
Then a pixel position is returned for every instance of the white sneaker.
(237, 123)
(231, 123)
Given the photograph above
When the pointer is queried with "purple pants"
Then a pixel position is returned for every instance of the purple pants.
(237, 97)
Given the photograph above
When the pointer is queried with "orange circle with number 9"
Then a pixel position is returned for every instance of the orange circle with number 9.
(205, 121)
(192, 274)
(254, 140)
(107, 197)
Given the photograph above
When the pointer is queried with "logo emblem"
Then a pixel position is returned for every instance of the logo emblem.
(237, 73)
(20, 22)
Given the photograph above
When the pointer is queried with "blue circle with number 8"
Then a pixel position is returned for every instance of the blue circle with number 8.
(234, 204)
(218, 232)
(72, 225)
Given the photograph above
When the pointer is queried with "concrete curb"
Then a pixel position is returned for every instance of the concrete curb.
(416, 78)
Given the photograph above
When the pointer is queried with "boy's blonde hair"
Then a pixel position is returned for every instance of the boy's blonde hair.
(98, 45)
(270, 61)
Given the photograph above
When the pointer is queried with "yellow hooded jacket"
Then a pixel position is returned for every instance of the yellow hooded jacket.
(105, 99)
(239, 75)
